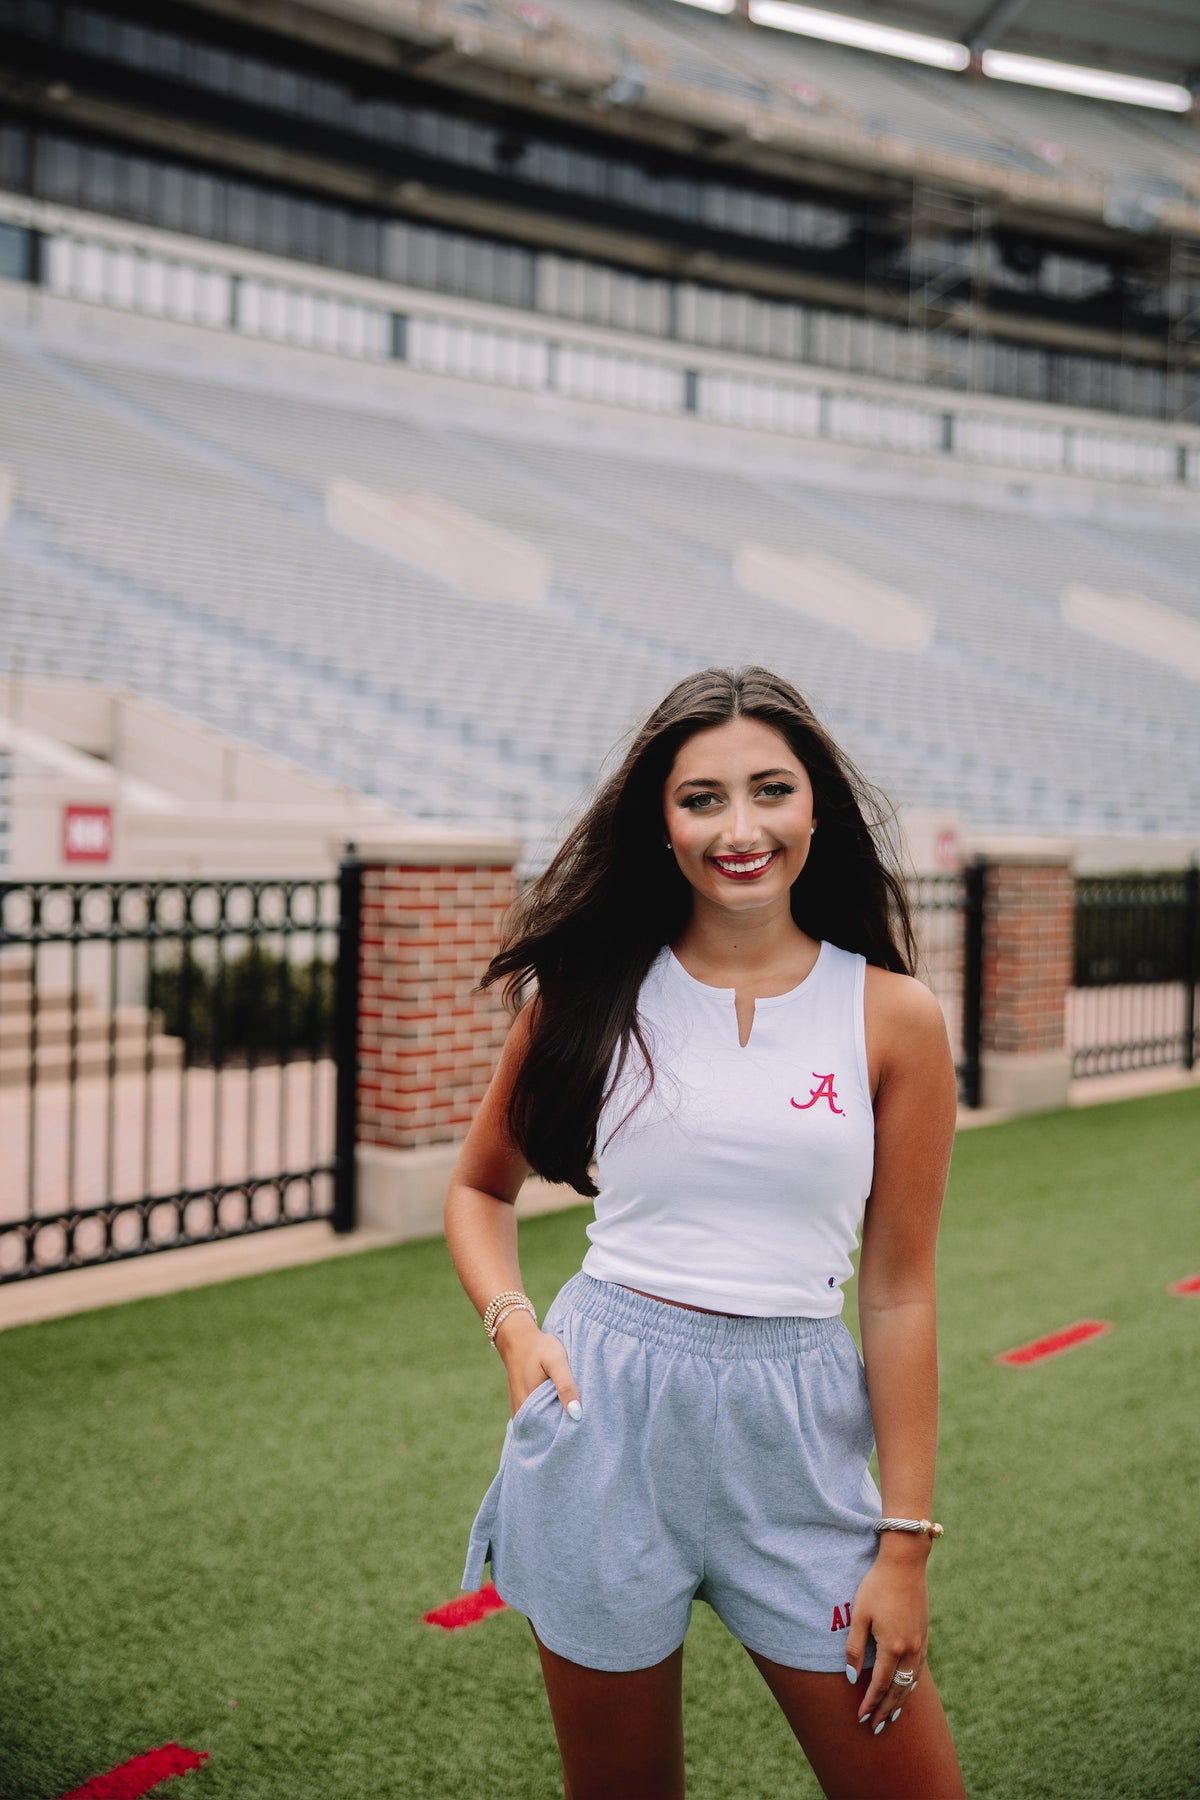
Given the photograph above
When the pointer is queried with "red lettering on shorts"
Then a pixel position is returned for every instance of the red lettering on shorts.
(841, 1617)
(824, 1090)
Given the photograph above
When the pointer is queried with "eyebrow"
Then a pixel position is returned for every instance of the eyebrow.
(708, 781)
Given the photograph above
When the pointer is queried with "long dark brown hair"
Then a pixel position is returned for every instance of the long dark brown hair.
(589, 928)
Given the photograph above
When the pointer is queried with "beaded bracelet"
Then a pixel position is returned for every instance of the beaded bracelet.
(498, 1310)
(517, 1306)
(924, 1527)
(493, 1307)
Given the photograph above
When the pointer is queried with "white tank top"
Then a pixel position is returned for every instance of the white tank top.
(739, 1182)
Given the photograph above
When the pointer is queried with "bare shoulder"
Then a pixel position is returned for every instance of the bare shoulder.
(901, 998)
(905, 1025)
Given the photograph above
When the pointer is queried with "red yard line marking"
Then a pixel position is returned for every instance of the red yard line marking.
(468, 1609)
(1055, 1343)
(137, 1776)
(1189, 1285)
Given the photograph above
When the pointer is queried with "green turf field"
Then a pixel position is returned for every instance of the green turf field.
(225, 1510)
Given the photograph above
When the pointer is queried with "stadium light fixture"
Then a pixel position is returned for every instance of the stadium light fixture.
(839, 28)
(1096, 84)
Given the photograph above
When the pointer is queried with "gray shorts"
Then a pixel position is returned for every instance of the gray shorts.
(717, 1459)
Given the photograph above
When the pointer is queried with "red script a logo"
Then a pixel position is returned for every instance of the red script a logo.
(823, 1091)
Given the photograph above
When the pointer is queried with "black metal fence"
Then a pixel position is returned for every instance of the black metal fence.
(1137, 962)
(948, 919)
(178, 1059)
(168, 1073)
(1134, 1002)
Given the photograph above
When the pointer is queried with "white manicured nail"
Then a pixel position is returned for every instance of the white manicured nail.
(574, 1409)
(895, 1715)
(851, 1672)
(880, 1726)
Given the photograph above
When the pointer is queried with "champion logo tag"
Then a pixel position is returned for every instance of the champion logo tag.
(841, 1617)
(824, 1090)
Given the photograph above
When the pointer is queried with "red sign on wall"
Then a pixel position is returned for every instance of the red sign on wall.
(87, 833)
(947, 849)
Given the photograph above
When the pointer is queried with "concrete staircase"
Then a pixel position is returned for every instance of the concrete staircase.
(80, 1036)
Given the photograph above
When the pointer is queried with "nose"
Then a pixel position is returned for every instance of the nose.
(742, 831)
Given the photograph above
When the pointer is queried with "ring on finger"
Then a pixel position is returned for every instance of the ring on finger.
(904, 1678)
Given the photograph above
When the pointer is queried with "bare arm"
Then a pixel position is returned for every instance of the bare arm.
(915, 1111)
(481, 1229)
(481, 1225)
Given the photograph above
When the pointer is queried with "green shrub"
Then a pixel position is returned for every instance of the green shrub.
(255, 1004)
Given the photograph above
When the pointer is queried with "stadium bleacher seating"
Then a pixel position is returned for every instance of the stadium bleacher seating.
(169, 535)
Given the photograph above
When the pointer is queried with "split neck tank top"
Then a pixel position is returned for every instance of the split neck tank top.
(737, 1179)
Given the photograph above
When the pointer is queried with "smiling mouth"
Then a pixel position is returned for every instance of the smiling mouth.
(744, 868)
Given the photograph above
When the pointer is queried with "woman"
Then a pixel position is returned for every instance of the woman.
(725, 1019)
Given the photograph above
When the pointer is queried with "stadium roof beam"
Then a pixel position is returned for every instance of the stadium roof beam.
(426, 59)
(992, 24)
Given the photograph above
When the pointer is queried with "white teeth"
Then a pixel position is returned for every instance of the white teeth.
(745, 868)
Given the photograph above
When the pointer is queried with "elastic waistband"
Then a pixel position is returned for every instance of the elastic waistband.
(681, 1328)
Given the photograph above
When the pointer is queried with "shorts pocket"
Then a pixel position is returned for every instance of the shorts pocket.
(531, 1399)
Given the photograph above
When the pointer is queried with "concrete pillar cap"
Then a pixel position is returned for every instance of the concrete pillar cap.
(431, 847)
(998, 848)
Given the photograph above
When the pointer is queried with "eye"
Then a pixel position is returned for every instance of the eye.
(776, 790)
(695, 802)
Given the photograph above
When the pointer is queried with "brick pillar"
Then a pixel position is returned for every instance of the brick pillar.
(1028, 967)
(432, 906)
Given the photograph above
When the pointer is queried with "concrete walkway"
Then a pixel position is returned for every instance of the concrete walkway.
(163, 1272)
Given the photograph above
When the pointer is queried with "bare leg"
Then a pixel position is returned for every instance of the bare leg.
(911, 1760)
(620, 1735)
